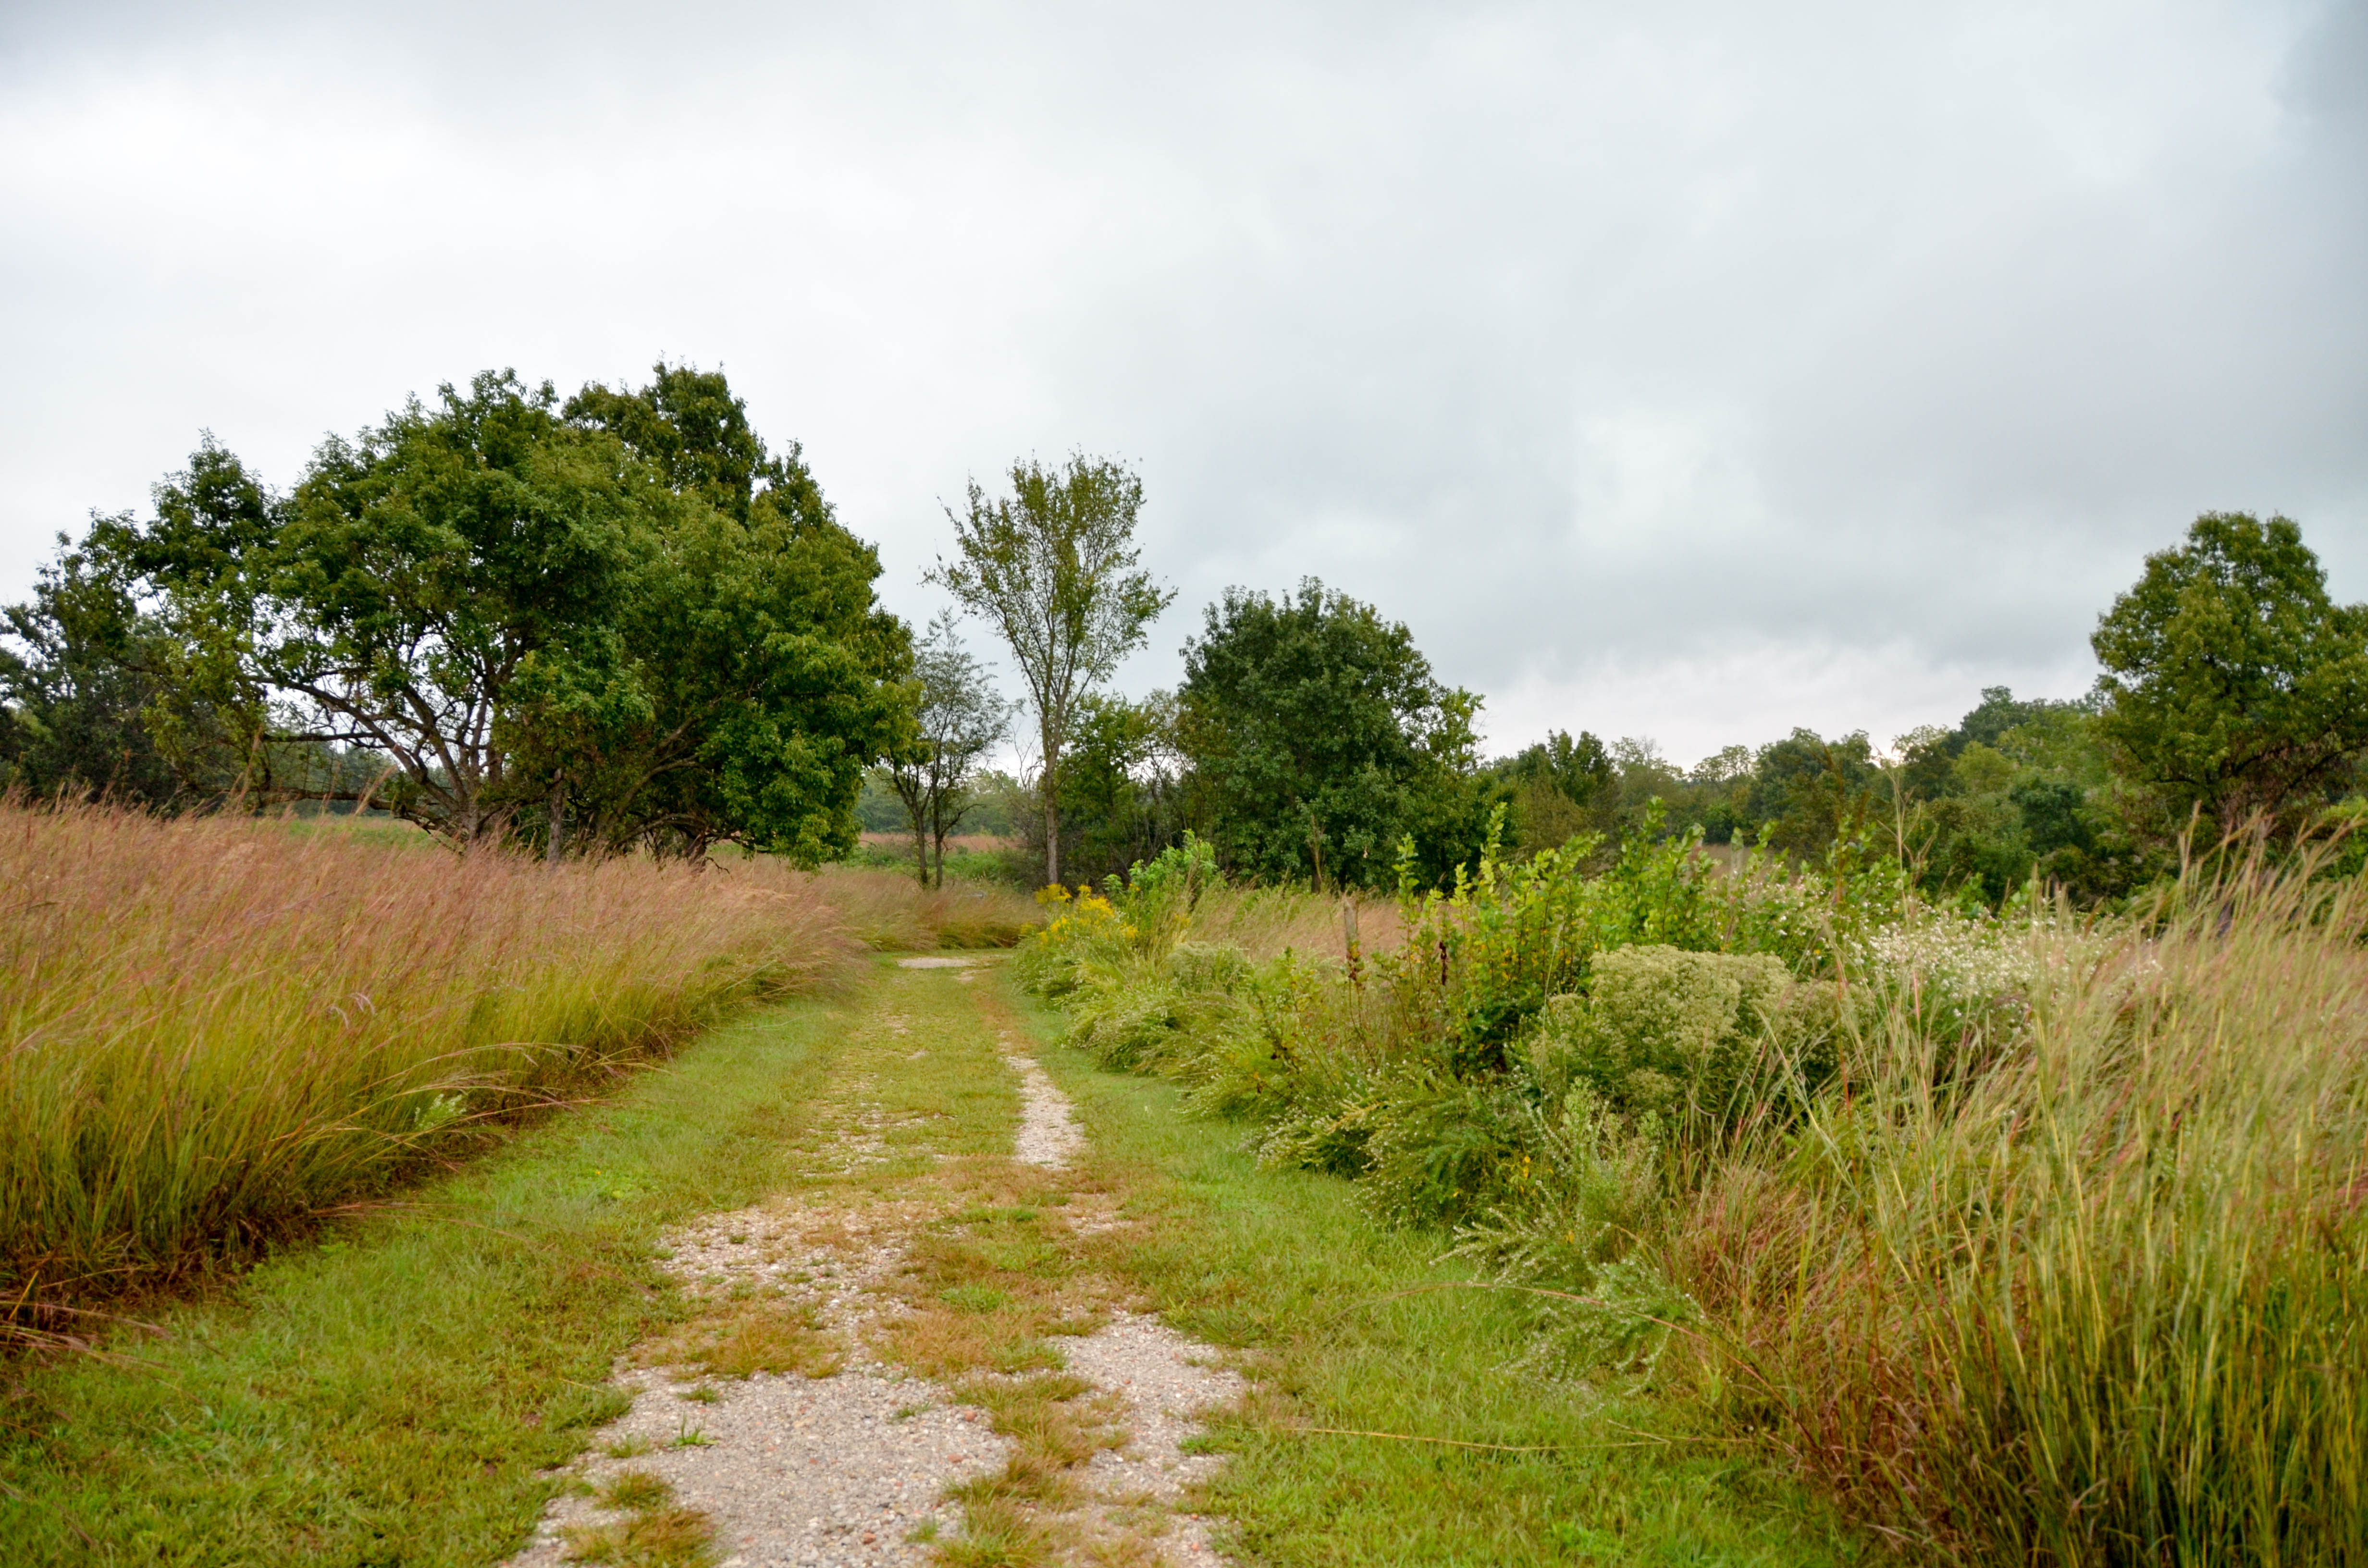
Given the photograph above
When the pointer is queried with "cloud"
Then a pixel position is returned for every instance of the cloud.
(1707, 369)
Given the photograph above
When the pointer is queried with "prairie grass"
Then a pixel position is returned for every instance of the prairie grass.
(405, 1389)
(2030, 1240)
(1264, 923)
(2103, 1297)
(889, 912)
(211, 1030)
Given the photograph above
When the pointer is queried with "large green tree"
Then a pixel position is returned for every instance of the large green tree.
(1561, 786)
(2236, 688)
(443, 568)
(1053, 568)
(71, 693)
(619, 622)
(766, 678)
(1320, 739)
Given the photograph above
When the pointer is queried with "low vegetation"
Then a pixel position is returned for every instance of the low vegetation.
(402, 1390)
(2028, 1238)
(885, 911)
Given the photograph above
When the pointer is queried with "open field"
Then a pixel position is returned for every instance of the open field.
(963, 843)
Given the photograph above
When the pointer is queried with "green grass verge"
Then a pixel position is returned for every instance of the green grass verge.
(393, 1394)
(1287, 1266)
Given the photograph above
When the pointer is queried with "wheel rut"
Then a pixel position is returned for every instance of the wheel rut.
(915, 1350)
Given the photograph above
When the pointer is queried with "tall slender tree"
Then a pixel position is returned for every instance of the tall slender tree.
(960, 716)
(1053, 568)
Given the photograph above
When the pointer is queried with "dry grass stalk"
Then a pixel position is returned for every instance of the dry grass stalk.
(211, 1029)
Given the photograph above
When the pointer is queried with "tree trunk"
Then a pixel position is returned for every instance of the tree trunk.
(555, 810)
(1052, 833)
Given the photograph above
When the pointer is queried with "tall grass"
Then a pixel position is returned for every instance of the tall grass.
(211, 1029)
(2033, 1240)
(2103, 1297)
(887, 910)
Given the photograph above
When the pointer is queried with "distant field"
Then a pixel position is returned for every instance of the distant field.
(968, 842)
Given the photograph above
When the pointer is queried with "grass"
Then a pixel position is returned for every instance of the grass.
(1288, 1268)
(2102, 1298)
(2033, 1240)
(889, 913)
(396, 1393)
(217, 1030)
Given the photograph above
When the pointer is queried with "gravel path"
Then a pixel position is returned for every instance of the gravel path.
(1049, 1135)
(848, 1469)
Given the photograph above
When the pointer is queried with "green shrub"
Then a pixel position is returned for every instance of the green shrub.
(1663, 1030)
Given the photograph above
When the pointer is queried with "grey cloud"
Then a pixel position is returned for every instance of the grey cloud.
(1718, 366)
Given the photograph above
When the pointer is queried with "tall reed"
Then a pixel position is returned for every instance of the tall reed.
(213, 1028)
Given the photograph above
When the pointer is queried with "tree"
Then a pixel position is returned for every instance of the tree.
(960, 716)
(1561, 787)
(72, 691)
(1814, 791)
(1052, 568)
(621, 623)
(1123, 789)
(766, 676)
(1319, 738)
(137, 675)
(2235, 687)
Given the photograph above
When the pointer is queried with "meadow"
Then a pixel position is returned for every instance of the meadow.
(219, 1031)
(2033, 1237)
(2030, 1236)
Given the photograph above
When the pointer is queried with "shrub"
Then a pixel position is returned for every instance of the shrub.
(1662, 1030)
(2032, 1239)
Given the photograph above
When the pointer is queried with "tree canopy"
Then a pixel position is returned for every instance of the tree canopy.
(1052, 567)
(960, 716)
(2235, 685)
(1320, 739)
(621, 621)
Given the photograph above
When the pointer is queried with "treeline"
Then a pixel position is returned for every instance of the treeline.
(621, 621)
(1310, 742)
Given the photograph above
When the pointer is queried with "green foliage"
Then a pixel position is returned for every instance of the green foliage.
(1123, 789)
(1052, 569)
(2018, 790)
(2235, 686)
(618, 623)
(1561, 787)
(73, 690)
(769, 676)
(1319, 738)
(1810, 793)
(960, 715)
(2028, 1238)
(1663, 1030)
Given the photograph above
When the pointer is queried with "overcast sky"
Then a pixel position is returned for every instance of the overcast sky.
(1683, 370)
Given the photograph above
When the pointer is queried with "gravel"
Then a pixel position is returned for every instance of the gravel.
(845, 1469)
(1049, 1133)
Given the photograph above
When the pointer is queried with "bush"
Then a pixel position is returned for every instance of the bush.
(2030, 1238)
(1665, 1031)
